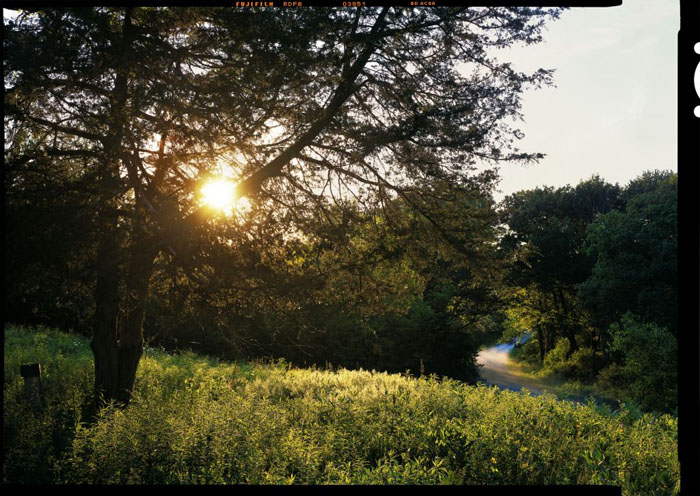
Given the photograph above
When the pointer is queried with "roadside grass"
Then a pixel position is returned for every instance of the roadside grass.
(553, 383)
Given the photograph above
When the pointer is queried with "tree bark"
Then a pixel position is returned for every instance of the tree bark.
(570, 330)
(567, 330)
(540, 341)
(104, 339)
(105, 323)
(549, 338)
(573, 345)
(130, 347)
(603, 338)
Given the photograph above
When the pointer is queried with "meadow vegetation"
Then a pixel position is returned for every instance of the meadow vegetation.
(195, 419)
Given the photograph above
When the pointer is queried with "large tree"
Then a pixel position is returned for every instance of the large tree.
(134, 108)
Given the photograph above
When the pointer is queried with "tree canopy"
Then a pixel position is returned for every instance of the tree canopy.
(123, 114)
(642, 235)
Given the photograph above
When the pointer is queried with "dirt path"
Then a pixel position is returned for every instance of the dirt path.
(495, 371)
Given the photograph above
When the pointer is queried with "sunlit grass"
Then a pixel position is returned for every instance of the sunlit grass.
(195, 419)
(551, 382)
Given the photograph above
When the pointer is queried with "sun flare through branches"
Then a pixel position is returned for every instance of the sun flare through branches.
(220, 194)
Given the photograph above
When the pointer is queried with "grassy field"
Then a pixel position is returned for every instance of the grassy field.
(196, 420)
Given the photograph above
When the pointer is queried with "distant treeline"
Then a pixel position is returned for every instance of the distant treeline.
(593, 271)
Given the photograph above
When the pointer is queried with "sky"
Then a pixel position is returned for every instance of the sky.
(613, 110)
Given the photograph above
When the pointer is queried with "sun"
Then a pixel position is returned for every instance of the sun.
(220, 194)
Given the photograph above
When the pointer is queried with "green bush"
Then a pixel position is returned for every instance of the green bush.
(612, 382)
(195, 420)
(528, 352)
(582, 365)
(556, 360)
(585, 364)
(648, 356)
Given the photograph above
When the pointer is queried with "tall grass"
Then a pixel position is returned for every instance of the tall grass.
(195, 420)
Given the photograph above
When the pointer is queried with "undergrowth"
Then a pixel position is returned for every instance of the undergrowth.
(196, 420)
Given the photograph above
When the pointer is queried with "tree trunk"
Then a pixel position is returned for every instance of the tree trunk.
(131, 330)
(573, 345)
(603, 338)
(104, 339)
(549, 338)
(566, 329)
(540, 341)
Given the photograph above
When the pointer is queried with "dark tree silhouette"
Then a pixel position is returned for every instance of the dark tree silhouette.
(308, 105)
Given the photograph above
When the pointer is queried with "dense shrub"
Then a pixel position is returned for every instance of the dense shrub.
(582, 365)
(556, 360)
(528, 353)
(196, 420)
(648, 356)
(585, 364)
(427, 338)
(612, 382)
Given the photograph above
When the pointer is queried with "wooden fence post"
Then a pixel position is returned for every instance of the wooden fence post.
(32, 383)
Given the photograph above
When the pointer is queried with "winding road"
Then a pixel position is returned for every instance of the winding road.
(496, 372)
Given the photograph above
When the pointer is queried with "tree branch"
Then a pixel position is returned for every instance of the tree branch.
(344, 90)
